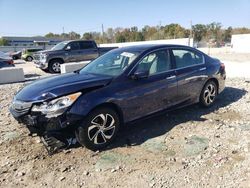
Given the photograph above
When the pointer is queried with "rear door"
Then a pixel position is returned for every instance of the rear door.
(191, 73)
(88, 50)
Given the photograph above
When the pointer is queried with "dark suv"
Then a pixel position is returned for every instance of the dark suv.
(121, 86)
(68, 51)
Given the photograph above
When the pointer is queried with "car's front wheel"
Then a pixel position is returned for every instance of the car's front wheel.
(99, 129)
(55, 66)
(29, 58)
(208, 94)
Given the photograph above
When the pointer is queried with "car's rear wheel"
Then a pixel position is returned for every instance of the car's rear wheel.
(99, 129)
(209, 94)
(55, 66)
(29, 58)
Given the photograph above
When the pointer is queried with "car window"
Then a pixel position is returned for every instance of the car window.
(86, 45)
(74, 46)
(155, 62)
(33, 50)
(185, 58)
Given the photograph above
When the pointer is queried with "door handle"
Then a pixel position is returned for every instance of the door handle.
(202, 69)
(171, 77)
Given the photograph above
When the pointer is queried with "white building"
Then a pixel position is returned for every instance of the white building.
(241, 43)
(20, 43)
(31, 41)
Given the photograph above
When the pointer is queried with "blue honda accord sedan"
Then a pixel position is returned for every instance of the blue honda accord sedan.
(123, 85)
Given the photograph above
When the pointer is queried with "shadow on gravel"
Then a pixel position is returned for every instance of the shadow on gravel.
(32, 75)
(143, 130)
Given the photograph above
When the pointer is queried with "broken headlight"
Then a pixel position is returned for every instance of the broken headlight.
(57, 106)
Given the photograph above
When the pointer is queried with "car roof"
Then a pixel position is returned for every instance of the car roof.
(33, 49)
(149, 47)
(67, 41)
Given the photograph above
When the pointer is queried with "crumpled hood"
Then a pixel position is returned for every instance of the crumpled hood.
(56, 86)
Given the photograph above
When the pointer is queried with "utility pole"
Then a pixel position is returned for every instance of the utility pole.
(63, 31)
(102, 30)
(159, 30)
(191, 29)
(102, 39)
(191, 34)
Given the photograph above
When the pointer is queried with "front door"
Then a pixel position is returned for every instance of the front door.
(88, 51)
(73, 52)
(156, 92)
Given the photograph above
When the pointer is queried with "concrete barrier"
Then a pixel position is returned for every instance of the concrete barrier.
(71, 67)
(10, 75)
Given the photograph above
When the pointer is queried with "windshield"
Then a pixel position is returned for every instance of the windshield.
(59, 46)
(112, 63)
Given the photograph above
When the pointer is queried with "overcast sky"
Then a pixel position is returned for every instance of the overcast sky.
(38, 17)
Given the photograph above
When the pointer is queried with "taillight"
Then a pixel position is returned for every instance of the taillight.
(222, 67)
(11, 62)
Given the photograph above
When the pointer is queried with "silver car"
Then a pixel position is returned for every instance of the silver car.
(5, 60)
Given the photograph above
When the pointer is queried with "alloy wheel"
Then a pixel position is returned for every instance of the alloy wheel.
(209, 94)
(102, 128)
(56, 67)
(29, 58)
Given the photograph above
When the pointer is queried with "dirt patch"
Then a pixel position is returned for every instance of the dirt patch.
(190, 147)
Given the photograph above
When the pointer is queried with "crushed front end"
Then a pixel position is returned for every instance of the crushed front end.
(50, 120)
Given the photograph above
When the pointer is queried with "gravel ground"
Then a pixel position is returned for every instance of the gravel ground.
(191, 147)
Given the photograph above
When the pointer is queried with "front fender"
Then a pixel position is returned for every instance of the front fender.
(89, 101)
(50, 58)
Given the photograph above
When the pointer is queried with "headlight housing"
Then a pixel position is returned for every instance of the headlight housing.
(44, 56)
(57, 106)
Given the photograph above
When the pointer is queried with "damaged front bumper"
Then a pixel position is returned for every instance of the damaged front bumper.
(57, 133)
(41, 64)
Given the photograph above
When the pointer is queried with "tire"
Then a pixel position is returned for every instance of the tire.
(94, 133)
(55, 66)
(208, 94)
(29, 58)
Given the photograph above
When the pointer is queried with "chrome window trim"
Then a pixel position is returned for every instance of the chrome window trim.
(169, 49)
(190, 66)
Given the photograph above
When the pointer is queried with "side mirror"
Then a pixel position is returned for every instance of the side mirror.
(140, 75)
(68, 48)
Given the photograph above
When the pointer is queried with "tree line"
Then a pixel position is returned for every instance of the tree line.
(200, 32)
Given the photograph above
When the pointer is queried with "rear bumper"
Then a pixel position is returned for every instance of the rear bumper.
(222, 83)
